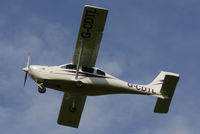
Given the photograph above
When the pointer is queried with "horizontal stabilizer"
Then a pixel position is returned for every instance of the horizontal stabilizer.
(168, 88)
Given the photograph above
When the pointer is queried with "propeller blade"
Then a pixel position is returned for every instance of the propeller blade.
(26, 69)
(28, 61)
(25, 78)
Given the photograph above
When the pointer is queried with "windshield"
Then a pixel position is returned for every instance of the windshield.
(69, 66)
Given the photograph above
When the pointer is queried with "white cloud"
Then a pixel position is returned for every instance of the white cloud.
(113, 67)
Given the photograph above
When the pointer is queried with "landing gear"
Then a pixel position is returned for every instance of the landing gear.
(72, 109)
(41, 88)
(79, 84)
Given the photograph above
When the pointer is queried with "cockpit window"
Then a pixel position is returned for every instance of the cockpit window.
(63, 67)
(70, 66)
(87, 69)
(100, 72)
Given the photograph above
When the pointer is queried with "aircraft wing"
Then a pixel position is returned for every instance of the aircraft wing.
(68, 116)
(90, 35)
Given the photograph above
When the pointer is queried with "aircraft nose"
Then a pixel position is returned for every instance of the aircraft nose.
(33, 68)
(28, 69)
(25, 69)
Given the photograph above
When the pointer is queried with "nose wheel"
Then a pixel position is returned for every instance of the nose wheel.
(41, 88)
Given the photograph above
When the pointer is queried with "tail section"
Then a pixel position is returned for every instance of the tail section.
(164, 85)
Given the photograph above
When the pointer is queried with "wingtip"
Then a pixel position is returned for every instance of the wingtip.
(96, 7)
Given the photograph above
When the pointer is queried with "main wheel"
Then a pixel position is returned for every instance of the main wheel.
(72, 109)
(79, 83)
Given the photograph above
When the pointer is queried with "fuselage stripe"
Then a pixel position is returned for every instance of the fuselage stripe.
(81, 74)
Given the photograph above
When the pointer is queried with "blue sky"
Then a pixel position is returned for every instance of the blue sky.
(141, 38)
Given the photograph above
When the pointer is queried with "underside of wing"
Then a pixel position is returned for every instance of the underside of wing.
(71, 110)
(90, 35)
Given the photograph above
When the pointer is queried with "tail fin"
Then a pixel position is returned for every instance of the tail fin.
(164, 84)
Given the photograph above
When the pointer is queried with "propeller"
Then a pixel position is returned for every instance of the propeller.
(26, 69)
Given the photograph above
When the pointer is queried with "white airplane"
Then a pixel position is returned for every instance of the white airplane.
(81, 78)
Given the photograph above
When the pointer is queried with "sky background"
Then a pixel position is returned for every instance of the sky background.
(141, 38)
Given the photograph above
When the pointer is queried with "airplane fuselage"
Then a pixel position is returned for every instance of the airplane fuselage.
(62, 79)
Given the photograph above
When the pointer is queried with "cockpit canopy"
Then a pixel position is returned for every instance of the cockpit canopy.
(85, 69)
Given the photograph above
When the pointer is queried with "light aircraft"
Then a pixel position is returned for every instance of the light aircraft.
(81, 78)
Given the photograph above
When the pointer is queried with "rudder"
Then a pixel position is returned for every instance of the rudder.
(168, 88)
